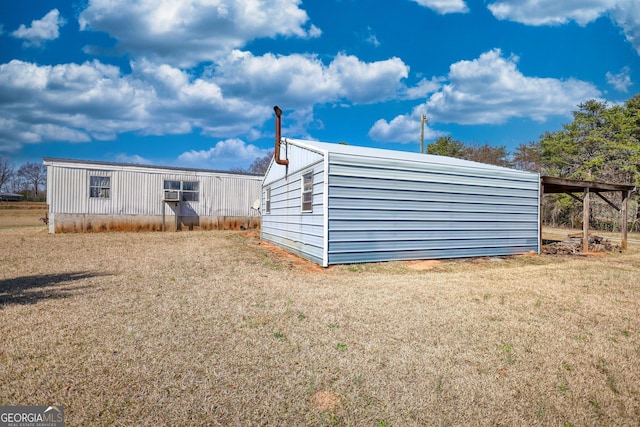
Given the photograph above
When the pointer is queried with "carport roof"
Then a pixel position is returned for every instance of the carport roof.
(552, 184)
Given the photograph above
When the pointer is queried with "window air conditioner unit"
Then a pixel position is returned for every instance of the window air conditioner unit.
(171, 196)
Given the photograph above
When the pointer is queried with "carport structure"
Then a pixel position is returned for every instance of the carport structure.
(553, 185)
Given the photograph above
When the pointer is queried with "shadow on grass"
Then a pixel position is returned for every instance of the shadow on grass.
(33, 289)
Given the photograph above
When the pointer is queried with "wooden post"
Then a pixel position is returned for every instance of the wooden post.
(623, 219)
(585, 221)
(177, 215)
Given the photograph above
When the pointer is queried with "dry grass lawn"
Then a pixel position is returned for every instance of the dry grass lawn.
(217, 328)
(21, 214)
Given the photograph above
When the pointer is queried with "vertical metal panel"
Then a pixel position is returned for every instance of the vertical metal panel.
(69, 190)
(228, 196)
(137, 190)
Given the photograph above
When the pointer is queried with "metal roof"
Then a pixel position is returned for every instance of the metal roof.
(324, 148)
(10, 195)
(51, 160)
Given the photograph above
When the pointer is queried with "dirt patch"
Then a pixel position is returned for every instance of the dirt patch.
(289, 258)
(280, 255)
(429, 264)
(326, 401)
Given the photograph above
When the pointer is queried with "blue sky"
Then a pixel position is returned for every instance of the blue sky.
(193, 83)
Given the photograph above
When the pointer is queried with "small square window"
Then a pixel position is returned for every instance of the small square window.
(191, 191)
(307, 192)
(100, 187)
(172, 185)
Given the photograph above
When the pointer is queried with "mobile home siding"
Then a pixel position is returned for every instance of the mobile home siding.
(136, 195)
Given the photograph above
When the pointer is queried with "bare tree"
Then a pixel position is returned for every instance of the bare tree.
(261, 164)
(488, 154)
(527, 157)
(6, 170)
(35, 174)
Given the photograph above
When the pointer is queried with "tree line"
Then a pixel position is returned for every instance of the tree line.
(30, 179)
(601, 143)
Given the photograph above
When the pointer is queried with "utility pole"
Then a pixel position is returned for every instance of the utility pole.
(423, 120)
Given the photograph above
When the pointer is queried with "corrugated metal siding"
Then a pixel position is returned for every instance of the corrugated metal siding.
(228, 196)
(285, 225)
(385, 209)
(64, 187)
(139, 191)
(135, 193)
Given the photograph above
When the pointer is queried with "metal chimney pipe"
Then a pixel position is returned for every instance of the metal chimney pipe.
(276, 151)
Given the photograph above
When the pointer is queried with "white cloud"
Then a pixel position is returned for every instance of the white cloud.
(293, 81)
(132, 158)
(189, 32)
(314, 32)
(299, 122)
(491, 90)
(362, 82)
(624, 13)
(297, 81)
(422, 89)
(371, 38)
(94, 101)
(47, 28)
(66, 102)
(620, 81)
(550, 12)
(227, 154)
(404, 129)
(444, 6)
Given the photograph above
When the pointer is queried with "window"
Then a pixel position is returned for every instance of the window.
(307, 192)
(172, 185)
(189, 190)
(100, 187)
(267, 200)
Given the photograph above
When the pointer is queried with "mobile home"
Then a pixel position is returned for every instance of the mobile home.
(95, 196)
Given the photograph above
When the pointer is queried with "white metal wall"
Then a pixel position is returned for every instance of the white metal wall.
(137, 190)
(379, 205)
(387, 210)
(286, 225)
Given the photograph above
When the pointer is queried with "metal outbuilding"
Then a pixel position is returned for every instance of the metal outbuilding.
(96, 196)
(337, 204)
